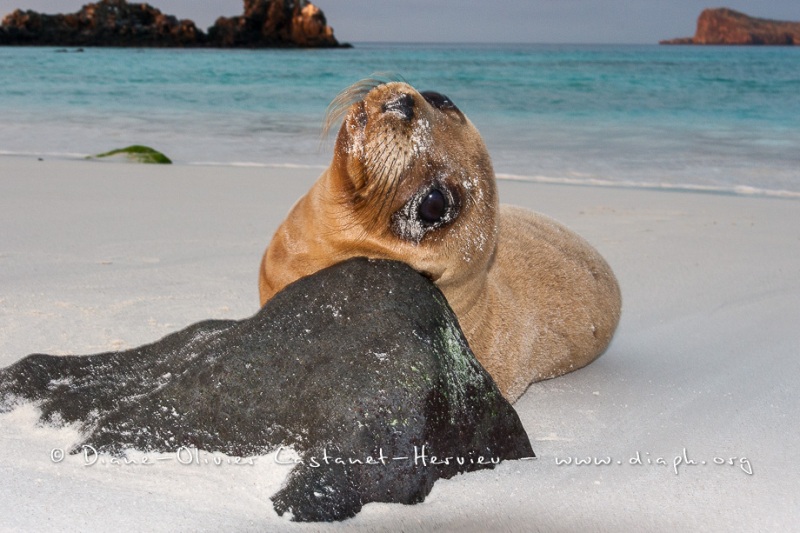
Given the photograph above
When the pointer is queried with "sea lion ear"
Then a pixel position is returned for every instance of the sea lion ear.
(438, 100)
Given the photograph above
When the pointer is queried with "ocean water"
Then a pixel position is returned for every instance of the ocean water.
(708, 118)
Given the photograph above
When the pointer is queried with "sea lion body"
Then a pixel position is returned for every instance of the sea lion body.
(411, 180)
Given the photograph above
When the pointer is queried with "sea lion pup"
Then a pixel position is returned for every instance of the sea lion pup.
(411, 180)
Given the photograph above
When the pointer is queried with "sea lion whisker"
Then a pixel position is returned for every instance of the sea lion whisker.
(353, 94)
(386, 148)
(380, 150)
(395, 189)
(388, 177)
(384, 200)
(380, 180)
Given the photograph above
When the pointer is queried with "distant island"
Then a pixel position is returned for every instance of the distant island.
(726, 26)
(264, 24)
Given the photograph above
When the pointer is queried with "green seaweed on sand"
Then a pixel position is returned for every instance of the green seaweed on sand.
(136, 154)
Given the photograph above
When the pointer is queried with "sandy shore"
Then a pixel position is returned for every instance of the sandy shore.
(704, 366)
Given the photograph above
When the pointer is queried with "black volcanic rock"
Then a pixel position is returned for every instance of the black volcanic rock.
(105, 23)
(363, 359)
(265, 23)
(724, 26)
(269, 23)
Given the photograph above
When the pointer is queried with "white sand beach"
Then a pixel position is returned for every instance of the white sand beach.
(704, 368)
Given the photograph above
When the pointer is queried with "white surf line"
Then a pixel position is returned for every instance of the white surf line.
(735, 190)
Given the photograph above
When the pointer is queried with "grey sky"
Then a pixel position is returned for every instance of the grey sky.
(545, 21)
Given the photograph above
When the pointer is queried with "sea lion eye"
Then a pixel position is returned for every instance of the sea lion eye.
(438, 100)
(433, 207)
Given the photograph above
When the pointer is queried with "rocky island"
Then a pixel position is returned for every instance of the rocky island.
(264, 23)
(728, 27)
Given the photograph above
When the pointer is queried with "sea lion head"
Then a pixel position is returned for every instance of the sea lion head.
(415, 176)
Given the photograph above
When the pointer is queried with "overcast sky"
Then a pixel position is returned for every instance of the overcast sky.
(537, 21)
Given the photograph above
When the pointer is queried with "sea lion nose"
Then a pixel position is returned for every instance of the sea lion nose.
(402, 105)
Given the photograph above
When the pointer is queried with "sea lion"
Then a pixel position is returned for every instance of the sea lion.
(411, 180)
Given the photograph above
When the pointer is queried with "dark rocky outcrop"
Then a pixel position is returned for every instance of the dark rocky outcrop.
(273, 23)
(726, 26)
(105, 23)
(265, 23)
(363, 359)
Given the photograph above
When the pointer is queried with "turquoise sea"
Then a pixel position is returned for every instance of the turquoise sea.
(724, 119)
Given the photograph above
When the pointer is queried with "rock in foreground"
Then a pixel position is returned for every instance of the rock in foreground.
(363, 359)
(265, 23)
(726, 26)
